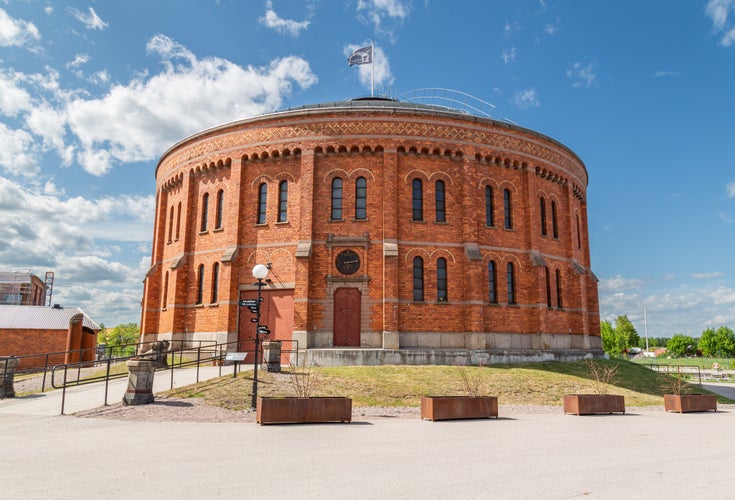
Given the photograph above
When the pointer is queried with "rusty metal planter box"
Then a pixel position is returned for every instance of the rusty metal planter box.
(683, 403)
(303, 410)
(458, 407)
(592, 404)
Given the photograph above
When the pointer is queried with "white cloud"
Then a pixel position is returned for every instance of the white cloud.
(283, 26)
(91, 21)
(581, 75)
(718, 11)
(79, 60)
(706, 276)
(508, 56)
(13, 97)
(663, 73)
(526, 99)
(381, 13)
(16, 32)
(17, 152)
(383, 75)
(550, 29)
(731, 190)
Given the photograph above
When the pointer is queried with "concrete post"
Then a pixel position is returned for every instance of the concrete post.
(140, 382)
(272, 356)
(7, 373)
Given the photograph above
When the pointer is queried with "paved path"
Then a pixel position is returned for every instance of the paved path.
(86, 397)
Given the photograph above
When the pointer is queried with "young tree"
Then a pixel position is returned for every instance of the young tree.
(118, 338)
(681, 345)
(609, 339)
(718, 344)
(627, 332)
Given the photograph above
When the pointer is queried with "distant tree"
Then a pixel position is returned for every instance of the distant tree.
(681, 345)
(627, 332)
(609, 339)
(719, 343)
(119, 338)
(620, 337)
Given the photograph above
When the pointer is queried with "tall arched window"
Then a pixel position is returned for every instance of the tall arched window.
(489, 207)
(548, 287)
(508, 215)
(360, 199)
(418, 279)
(215, 282)
(171, 223)
(558, 289)
(417, 203)
(178, 221)
(492, 282)
(283, 201)
(554, 225)
(441, 206)
(337, 199)
(579, 235)
(542, 210)
(262, 202)
(200, 284)
(511, 279)
(441, 279)
(205, 212)
(220, 209)
(164, 299)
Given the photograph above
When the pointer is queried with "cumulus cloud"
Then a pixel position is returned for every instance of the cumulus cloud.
(90, 20)
(526, 99)
(381, 14)
(13, 97)
(581, 75)
(283, 26)
(383, 75)
(718, 11)
(18, 155)
(17, 32)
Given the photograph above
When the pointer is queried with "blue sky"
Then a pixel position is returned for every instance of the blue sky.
(92, 93)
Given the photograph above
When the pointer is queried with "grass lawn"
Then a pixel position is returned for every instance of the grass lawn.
(523, 384)
(725, 363)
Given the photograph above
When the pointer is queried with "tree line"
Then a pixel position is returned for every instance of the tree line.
(621, 337)
(118, 339)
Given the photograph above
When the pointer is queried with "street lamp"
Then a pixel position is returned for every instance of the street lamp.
(259, 273)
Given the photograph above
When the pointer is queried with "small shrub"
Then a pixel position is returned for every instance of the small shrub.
(603, 374)
(304, 379)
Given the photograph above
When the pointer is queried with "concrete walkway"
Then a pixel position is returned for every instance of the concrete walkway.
(86, 397)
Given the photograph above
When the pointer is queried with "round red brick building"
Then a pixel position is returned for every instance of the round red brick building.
(394, 233)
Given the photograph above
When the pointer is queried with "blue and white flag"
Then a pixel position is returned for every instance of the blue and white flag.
(363, 55)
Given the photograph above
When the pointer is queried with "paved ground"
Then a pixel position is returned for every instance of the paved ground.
(643, 454)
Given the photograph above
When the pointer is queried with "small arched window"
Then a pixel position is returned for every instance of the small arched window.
(262, 202)
(205, 212)
(507, 209)
(215, 283)
(418, 279)
(283, 201)
(220, 209)
(440, 198)
(441, 280)
(417, 203)
(554, 225)
(548, 287)
(558, 289)
(360, 199)
(579, 233)
(164, 299)
(336, 199)
(200, 284)
(511, 279)
(178, 221)
(489, 207)
(492, 282)
(542, 210)
(171, 223)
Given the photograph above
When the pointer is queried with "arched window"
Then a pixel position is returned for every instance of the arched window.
(548, 287)
(492, 281)
(215, 282)
(360, 199)
(489, 207)
(205, 212)
(511, 279)
(558, 289)
(337, 199)
(283, 201)
(178, 221)
(164, 299)
(171, 223)
(554, 225)
(441, 206)
(262, 202)
(200, 284)
(418, 279)
(441, 280)
(418, 200)
(220, 209)
(579, 235)
(542, 209)
(508, 216)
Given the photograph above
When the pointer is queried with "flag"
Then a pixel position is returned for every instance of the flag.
(362, 55)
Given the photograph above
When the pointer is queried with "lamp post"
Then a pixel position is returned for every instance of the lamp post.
(259, 273)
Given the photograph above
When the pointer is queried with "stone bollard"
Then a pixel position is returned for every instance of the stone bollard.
(140, 382)
(7, 371)
(272, 355)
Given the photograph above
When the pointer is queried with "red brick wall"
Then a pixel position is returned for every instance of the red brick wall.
(29, 342)
(309, 149)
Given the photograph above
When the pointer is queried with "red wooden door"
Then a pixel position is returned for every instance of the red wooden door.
(346, 326)
(276, 312)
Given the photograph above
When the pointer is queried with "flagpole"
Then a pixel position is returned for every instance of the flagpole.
(372, 64)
